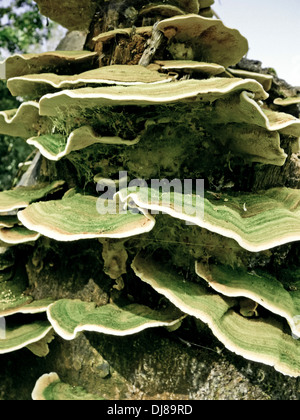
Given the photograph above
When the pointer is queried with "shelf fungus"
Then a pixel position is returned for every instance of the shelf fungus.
(207, 90)
(76, 217)
(18, 198)
(257, 221)
(265, 79)
(49, 387)
(69, 317)
(287, 101)
(15, 302)
(190, 67)
(57, 61)
(17, 235)
(24, 121)
(262, 340)
(243, 108)
(127, 32)
(21, 197)
(257, 285)
(26, 324)
(24, 335)
(12, 287)
(8, 221)
(57, 146)
(199, 38)
(37, 85)
(67, 14)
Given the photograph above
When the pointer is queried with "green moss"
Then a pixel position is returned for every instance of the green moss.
(174, 241)
(272, 71)
(290, 278)
(189, 144)
(176, 132)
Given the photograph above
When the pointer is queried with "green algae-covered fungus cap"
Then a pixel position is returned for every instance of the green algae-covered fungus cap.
(24, 121)
(69, 317)
(50, 388)
(21, 197)
(23, 335)
(257, 221)
(56, 146)
(77, 217)
(287, 101)
(207, 90)
(256, 285)
(40, 84)
(17, 235)
(209, 38)
(22, 64)
(262, 340)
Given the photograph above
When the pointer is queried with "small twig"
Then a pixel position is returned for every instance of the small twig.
(189, 344)
(154, 43)
(215, 14)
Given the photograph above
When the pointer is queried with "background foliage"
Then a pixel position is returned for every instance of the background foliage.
(21, 29)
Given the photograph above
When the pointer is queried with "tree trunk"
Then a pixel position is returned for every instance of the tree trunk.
(189, 363)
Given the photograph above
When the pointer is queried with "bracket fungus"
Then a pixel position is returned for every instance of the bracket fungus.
(190, 67)
(22, 64)
(180, 114)
(128, 32)
(271, 217)
(36, 85)
(50, 388)
(203, 37)
(261, 340)
(56, 146)
(21, 197)
(69, 317)
(287, 101)
(259, 286)
(8, 221)
(67, 14)
(22, 122)
(207, 90)
(76, 217)
(24, 328)
(166, 10)
(17, 235)
(20, 303)
(244, 109)
(265, 79)
(20, 336)
(12, 297)
(18, 198)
